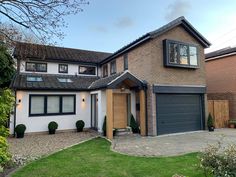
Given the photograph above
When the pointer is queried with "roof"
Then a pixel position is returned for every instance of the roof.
(221, 53)
(153, 34)
(53, 53)
(50, 82)
(79, 83)
(114, 80)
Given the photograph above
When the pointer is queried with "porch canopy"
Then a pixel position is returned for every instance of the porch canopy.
(117, 85)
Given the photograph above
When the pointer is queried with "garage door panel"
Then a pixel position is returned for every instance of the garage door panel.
(178, 113)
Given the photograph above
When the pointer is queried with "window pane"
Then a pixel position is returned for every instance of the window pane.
(53, 105)
(89, 70)
(193, 55)
(125, 62)
(113, 67)
(173, 53)
(68, 104)
(30, 67)
(63, 68)
(183, 52)
(41, 67)
(37, 105)
(64, 80)
(105, 70)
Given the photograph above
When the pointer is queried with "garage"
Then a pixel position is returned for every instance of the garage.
(178, 113)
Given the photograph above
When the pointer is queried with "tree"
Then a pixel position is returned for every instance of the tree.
(7, 67)
(43, 18)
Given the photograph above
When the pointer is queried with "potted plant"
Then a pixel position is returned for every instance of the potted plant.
(232, 123)
(20, 130)
(210, 123)
(80, 125)
(52, 126)
(133, 124)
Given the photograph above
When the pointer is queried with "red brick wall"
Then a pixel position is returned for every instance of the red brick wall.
(221, 75)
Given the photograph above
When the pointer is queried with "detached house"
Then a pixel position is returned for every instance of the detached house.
(159, 78)
(221, 77)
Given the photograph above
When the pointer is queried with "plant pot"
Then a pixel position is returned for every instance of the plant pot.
(211, 129)
(20, 135)
(79, 129)
(231, 126)
(51, 132)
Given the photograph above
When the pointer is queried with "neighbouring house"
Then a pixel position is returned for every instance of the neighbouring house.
(159, 78)
(221, 77)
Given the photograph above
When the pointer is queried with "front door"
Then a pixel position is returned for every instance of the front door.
(94, 104)
(120, 110)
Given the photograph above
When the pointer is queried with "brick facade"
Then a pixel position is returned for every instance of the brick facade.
(146, 63)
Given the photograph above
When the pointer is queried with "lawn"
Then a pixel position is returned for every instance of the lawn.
(95, 159)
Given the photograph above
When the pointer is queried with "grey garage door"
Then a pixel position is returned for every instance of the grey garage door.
(178, 113)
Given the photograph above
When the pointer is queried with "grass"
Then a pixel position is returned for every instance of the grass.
(95, 159)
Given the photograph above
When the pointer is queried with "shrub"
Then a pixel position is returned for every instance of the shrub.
(210, 121)
(52, 126)
(80, 125)
(20, 130)
(4, 153)
(220, 161)
(4, 131)
(104, 126)
(133, 124)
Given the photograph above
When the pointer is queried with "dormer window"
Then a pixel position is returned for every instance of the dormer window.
(179, 54)
(34, 79)
(67, 80)
(36, 67)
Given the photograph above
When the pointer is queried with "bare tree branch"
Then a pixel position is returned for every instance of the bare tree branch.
(44, 18)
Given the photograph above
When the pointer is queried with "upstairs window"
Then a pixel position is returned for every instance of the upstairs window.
(36, 67)
(105, 70)
(125, 62)
(87, 70)
(63, 68)
(179, 54)
(34, 79)
(113, 67)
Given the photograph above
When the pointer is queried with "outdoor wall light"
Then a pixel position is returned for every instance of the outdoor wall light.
(19, 101)
(83, 100)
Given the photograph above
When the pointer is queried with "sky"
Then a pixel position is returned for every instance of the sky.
(108, 25)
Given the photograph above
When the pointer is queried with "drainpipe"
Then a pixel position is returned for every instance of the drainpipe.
(14, 116)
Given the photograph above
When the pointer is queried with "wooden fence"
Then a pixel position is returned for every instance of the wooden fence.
(219, 109)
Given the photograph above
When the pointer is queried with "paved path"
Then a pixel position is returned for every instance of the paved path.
(42, 144)
(173, 144)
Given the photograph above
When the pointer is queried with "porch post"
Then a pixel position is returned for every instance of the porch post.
(142, 113)
(109, 120)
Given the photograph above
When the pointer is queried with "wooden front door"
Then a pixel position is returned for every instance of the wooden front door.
(120, 110)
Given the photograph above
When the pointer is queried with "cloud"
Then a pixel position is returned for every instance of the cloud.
(124, 22)
(99, 29)
(177, 8)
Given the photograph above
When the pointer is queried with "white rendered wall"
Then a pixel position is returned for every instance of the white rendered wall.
(52, 68)
(40, 123)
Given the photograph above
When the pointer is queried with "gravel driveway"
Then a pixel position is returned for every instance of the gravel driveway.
(173, 144)
(42, 144)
